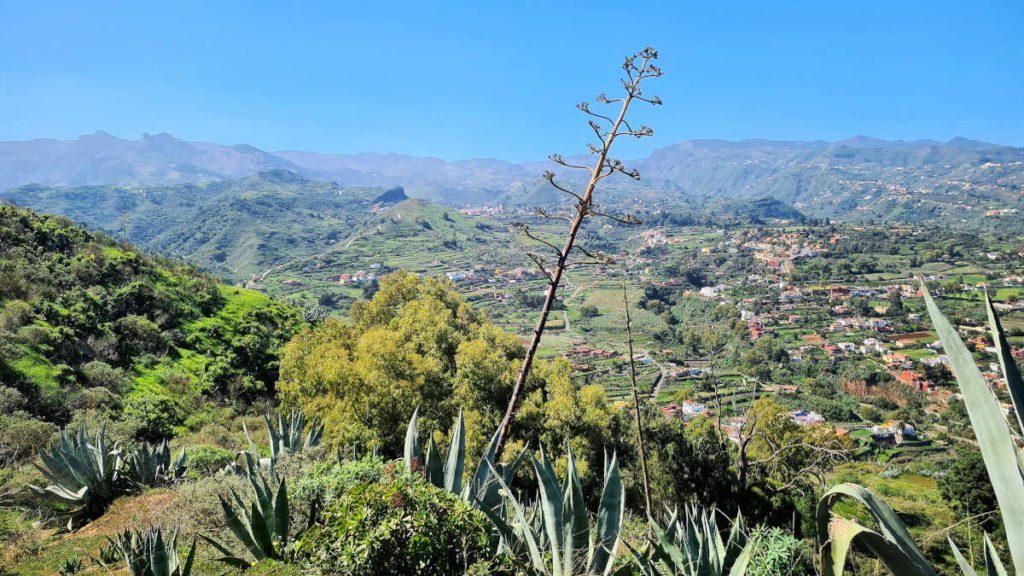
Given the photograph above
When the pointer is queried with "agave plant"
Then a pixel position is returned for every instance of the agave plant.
(995, 438)
(150, 465)
(286, 437)
(71, 566)
(693, 546)
(892, 544)
(483, 488)
(149, 554)
(83, 472)
(261, 525)
(555, 536)
(447, 475)
(107, 555)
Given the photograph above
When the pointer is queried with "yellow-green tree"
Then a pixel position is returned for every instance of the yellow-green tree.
(419, 343)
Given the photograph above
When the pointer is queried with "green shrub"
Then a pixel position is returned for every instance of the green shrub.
(23, 435)
(776, 553)
(98, 398)
(14, 315)
(152, 418)
(101, 374)
(397, 525)
(10, 400)
(209, 414)
(328, 482)
(198, 507)
(137, 335)
(204, 460)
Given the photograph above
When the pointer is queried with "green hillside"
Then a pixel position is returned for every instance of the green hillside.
(90, 323)
(767, 208)
(233, 229)
(413, 235)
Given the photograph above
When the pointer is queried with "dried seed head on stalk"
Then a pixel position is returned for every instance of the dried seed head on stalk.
(606, 128)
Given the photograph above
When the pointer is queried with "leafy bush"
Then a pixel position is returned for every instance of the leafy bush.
(24, 435)
(776, 553)
(98, 398)
(398, 525)
(968, 488)
(209, 414)
(198, 503)
(152, 418)
(101, 374)
(10, 400)
(205, 459)
(328, 482)
(15, 314)
(137, 335)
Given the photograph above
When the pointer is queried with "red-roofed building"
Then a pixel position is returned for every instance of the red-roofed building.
(838, 292)
(914, 379)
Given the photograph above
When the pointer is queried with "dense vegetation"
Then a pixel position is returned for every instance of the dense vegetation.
(233, 229)
(94, 331)
(152, 350)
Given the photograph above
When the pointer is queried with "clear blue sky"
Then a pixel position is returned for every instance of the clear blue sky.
(500, 79)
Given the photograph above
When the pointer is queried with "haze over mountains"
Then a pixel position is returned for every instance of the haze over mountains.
(860, 174)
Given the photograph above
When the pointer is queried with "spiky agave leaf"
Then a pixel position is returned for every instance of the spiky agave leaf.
(962, 562)
(576, 528)
(261, 525)
(484, 490)
(316, 433)
(993, 564)
(1011, 371)
(150, 465)
(413, 454)
(610, 513)
(147, 553)
(551, 510)
(82, 471)
(893, 546)
(516, 531)
(434, 468)
(557, 539)
(991, 429)
(691, 546)
(455, 463)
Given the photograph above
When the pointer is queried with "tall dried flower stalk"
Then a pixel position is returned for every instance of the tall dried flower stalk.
(607, 128)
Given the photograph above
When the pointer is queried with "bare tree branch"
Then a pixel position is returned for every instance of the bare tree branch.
(539, 261)
(585, 108)
(543, 213)
(557, 159)
(529, 234)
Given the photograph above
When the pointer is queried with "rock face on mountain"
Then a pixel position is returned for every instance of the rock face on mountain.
(857, 178)
(392, 196)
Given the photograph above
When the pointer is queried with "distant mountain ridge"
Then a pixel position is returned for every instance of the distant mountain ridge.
(859, 177)
(233, 228)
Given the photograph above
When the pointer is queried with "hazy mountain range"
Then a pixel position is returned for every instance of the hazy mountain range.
(239, 211)
(859, 175)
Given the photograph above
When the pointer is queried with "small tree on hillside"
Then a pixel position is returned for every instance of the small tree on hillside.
(607, 128)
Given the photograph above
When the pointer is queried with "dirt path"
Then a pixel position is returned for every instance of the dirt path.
(662, 376)
(256, 279)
